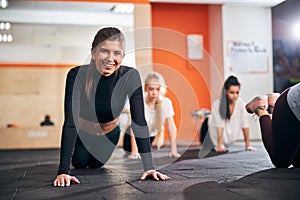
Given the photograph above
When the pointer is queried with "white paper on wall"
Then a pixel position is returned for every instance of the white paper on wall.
(195, 46)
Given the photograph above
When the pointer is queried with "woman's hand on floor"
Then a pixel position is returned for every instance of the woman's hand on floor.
(155, 175)
(221, 149)
(134, 156)
(65, 180)
(249, 148)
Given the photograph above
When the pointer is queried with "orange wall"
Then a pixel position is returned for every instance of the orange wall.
(186, 79)
(106, 1)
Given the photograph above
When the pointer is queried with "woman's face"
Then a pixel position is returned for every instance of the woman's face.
(108, 57)
(153, 91)
(233, 93)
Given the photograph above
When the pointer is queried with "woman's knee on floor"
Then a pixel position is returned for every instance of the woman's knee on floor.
(79, 164)
(282, 162)
(94, 163)
(296, 161)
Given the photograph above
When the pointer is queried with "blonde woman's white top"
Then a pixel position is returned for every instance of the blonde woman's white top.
(232, 127)
(167, 111)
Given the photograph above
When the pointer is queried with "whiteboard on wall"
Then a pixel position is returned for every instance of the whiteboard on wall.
(246, 57)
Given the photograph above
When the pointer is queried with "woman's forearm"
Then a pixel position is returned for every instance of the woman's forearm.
(172, 130)
(220, 137)
(246, 137)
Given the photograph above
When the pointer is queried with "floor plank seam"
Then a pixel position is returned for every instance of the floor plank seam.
(24, 174)
(15, 194)
(238, 194)
(135, 187)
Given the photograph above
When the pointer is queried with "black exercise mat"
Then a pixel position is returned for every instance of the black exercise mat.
(275, 184)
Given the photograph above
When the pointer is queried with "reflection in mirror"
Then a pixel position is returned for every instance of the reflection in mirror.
(59, 32)
(48, 38)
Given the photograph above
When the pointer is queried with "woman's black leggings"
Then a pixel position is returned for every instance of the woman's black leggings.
(93, 151)
(281, 134)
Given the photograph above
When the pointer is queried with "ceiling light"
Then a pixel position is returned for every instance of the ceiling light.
(9, 38)
(123, 8)
(5, 32)
(6, 38)
(7, 26)
(2, 25)
(3, 3)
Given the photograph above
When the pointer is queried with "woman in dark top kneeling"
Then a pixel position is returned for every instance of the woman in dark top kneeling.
(95, 96)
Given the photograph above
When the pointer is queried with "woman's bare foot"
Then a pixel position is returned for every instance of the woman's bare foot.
(258, 103)
(272, 98)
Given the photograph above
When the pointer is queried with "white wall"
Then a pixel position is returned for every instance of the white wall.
(60, 53)
(216, 50)
(249, 24)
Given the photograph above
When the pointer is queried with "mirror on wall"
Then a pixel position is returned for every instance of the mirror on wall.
(57, 31)
(46, 38)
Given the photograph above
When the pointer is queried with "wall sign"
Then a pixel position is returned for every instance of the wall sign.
(195, 46)
(246, 57)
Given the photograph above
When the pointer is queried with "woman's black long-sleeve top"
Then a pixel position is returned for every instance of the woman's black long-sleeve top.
(105, 103)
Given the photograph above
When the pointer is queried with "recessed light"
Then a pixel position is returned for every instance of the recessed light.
(3, 3)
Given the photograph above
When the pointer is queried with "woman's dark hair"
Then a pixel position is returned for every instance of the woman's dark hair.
(107, 33)
(224, 107)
